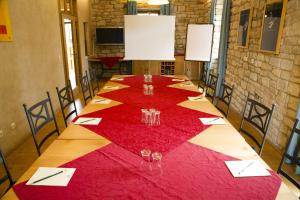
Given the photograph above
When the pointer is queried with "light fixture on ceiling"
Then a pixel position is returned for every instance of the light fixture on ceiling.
(158, 2)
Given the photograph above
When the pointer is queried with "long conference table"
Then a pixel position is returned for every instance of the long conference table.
(107, 160)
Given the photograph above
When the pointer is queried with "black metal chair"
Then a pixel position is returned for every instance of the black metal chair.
(294, 159)
(203, 78)
(39, 115)
(212, 86)
(85, 88)
(67, 102)
(258, 116)
(94, 81)
(225, 98)
(6, 177)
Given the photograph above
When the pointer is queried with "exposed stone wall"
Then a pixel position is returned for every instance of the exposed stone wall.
(111, 13)
(271, 78)
(186, 12)
(106, 13)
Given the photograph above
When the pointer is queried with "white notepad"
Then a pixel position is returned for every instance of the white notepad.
(87, 121)
(50, 176)
(213, 121)
(178, 80)
(188, 84)
(247, 168)
(101, 101)
(108, 87)
(198, 98)
(117, 79)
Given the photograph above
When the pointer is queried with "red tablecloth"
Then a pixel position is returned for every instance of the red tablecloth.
(188, 172)
(122, 125)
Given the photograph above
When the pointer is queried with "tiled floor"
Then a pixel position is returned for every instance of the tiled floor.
(21, 158)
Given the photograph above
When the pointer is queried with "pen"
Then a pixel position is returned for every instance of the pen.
(87, 121)
(100, 100)
(47, 177)
(212, 120)
(251, 163)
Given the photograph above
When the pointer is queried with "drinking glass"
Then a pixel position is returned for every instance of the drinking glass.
(146, 154)
(157, 118)
(146, 89)
(150, 89)
(152, 116)
(156, 163)
(144, 116)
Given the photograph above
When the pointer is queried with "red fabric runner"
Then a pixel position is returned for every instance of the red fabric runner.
(122, 125)
(188, 172)
(138, 81)
(110, 61)
(163, 97)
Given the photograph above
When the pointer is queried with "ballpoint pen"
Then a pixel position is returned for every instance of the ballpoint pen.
(212, 120)
(86, 121)
(47, 177)
(251, 163)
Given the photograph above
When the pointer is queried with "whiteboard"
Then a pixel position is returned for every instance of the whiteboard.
(149, 37)
(199, 42)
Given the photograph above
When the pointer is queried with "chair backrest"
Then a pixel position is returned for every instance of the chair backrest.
(66, 101)
(94, 80)
(203, 78)
(211, 86)
(293, 160)
(39, 115)
(226, 96)
(85, 87)
(6, 176)
(259, 116)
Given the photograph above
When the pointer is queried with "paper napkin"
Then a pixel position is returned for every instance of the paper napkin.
(246, 168)
(178, 80)
(50, 176)
(117, 79)
(101, 101)
(187, 84)
(198, 98)
(108, 87)
(87, 121)
(213, 120)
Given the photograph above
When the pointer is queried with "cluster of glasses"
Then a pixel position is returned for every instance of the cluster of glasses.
(151, 161)
(148, 89)
(150, 117)
(147, 78)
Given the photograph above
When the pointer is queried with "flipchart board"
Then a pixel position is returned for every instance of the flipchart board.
(149, 37)
(199, 42)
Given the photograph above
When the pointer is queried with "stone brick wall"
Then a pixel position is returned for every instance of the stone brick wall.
(268, 77)
(111, 12)
(186, 12)
(106, 13)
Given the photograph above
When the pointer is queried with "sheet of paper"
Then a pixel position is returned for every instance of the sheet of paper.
(87, 121)
(187, 84)
(247, 168)
(117, 79)
(108, 87)
(198, 98)
(101, 101)
(178, 80)
(213, 121)
(50, 176)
